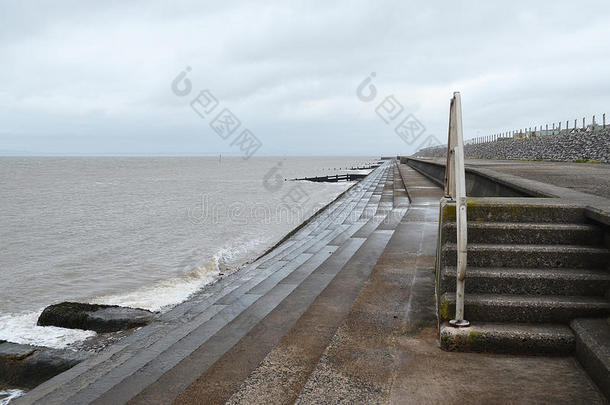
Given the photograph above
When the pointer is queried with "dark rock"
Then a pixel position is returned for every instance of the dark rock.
(100, 318)
(28, 366)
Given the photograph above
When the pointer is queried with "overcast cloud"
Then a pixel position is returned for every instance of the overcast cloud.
(94, 77)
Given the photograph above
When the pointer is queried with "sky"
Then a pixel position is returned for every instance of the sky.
(302, 77)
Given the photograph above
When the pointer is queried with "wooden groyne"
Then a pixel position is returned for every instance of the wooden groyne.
(336, 178)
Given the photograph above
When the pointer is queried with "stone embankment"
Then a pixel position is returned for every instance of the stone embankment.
(565, 147)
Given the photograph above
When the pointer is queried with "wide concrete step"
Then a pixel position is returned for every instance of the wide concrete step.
(508, 338)
(530, 256)
(249, 336)
(223, 323)
(529, 281)
(593, 350)
(486, 211)
(527, 233)
(525, 308)
(280, 377)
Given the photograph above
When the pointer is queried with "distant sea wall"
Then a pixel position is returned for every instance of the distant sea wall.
(565, 147)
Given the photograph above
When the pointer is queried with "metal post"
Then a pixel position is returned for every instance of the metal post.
(583, 123)
(604, 120)
(461, 215)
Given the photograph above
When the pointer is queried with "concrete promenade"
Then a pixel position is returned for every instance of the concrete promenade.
(341, 312)
(590, 178)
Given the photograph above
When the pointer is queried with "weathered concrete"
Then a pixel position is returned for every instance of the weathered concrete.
(593, 349)
(587, 178)
(509, 338)
(519, 233)
(100, 318)
(280, 377)
(530, 256)
(503, 280)
(542, 261)
(525, 308)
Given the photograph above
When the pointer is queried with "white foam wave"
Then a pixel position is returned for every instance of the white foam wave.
(7, 396)
(167, 293)
(22, 328)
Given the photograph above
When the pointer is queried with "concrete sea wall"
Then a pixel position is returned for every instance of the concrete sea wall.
(566, 147)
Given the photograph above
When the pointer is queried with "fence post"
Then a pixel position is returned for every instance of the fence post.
(583, 123)
(604, 120)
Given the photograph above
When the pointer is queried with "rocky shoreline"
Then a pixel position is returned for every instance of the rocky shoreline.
(26, 366)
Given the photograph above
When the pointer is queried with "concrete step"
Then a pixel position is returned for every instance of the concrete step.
(525, 308)
(528, 281)
(236, 314)
(345, 235)
(218, 382)
(149, 357)
(480, 210)
(372, 224)
(530, 256)
(508, 338)
(593, 350)
(281, 278)
(280, 377)
(527, 233)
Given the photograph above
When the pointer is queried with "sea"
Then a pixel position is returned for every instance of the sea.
(144, 232)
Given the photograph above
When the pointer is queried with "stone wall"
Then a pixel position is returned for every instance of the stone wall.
(565, 147)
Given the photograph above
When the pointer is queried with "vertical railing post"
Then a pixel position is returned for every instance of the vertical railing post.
(457, 144)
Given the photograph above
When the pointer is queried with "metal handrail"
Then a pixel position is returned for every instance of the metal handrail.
(455, 189)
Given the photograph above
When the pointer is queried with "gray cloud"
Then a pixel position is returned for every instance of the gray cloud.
(93, 77)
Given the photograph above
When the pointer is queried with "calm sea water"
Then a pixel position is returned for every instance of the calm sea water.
(142, 232)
